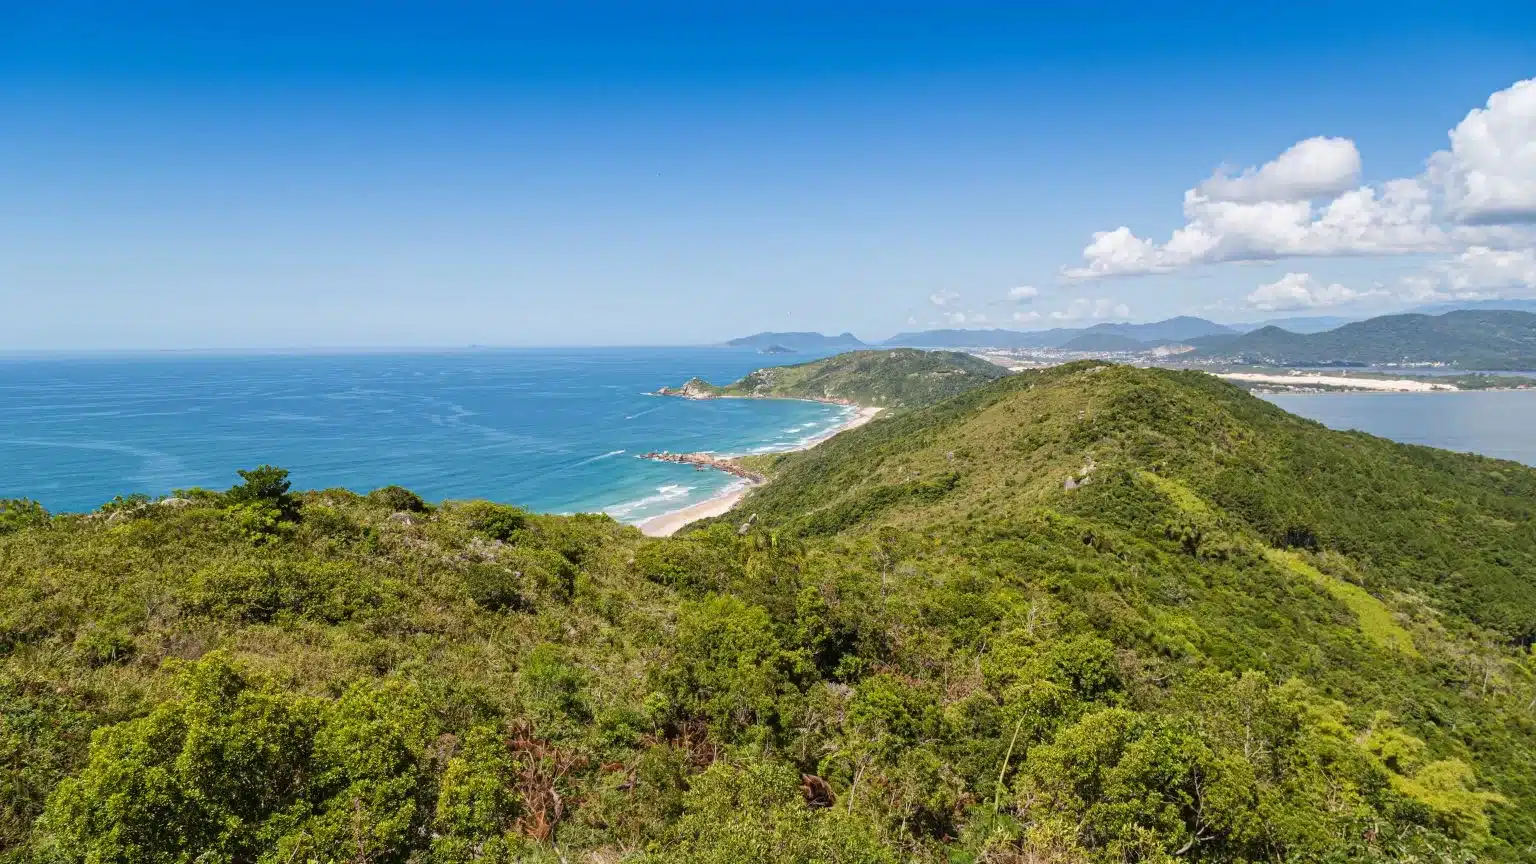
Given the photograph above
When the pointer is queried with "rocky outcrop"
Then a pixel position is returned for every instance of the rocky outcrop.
(705, 461)
(693, 388)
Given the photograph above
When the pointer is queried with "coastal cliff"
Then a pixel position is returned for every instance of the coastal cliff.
(897, 378)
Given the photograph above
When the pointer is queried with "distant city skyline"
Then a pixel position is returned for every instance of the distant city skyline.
(278, 176)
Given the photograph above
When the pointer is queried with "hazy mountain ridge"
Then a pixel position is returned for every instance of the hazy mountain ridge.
(796, 341)
(1490, 340)
(1177, 329)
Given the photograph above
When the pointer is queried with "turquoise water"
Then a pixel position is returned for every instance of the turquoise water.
(1500, 423)
(552, 430)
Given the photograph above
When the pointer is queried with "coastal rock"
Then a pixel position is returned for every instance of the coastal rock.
(705, 461)
(693, 388)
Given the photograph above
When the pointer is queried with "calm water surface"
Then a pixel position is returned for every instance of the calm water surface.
(1494, 423)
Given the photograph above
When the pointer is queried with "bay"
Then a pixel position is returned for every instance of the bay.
(1498, 423)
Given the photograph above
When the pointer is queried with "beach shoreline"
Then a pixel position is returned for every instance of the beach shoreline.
(669, 523)
(1381, 385)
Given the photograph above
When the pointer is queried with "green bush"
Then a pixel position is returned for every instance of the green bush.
(398, 499)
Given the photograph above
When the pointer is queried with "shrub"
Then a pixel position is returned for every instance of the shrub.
(398, 499)
(19, 513)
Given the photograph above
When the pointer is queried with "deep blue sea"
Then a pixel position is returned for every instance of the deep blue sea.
(552, 430)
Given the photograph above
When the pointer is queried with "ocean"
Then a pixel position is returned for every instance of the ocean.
(552, 430)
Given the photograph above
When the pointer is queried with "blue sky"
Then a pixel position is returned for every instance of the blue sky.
(283, 175)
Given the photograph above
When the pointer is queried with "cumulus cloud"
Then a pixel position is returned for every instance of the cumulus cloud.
(1082, 308)
(1489, 174)
(1314, 168)
(943, 298)
(1479, 273)
(1023, 293)
(1300, 291)
(1026, 317)
(1305, 202)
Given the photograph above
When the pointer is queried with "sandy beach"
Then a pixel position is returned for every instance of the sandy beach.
(1395, 385)
(668, 524)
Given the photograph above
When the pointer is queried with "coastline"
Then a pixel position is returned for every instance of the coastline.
(669, 523)
(1380, 385)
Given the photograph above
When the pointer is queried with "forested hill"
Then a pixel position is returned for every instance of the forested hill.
(1482, 339)
(897, 377)
(1085, 614)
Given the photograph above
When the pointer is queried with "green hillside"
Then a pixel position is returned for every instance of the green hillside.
(1483, 339)
(1085, 614)
(897, 377)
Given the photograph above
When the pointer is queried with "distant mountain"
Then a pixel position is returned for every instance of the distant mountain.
(1180, 329)
(1480, 305)
(1104, 342)
(796, 341)
(1491, 340)
(1301, 324)
(974, 339)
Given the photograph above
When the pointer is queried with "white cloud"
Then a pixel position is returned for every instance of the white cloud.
(1489, 174)
(978, 317)
(943, 298)
(1023, 293)
(1301, 291)
(1026, 317)
(1083, 308)
(1314, 168)
(1395, 219)
(1479, 273)
(956, 319)
(1304, 202)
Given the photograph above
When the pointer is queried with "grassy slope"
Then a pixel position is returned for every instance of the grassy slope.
(894, 378)
(922, 611)
(1427, 555)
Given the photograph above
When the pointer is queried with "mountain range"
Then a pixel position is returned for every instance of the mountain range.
(1480, 340)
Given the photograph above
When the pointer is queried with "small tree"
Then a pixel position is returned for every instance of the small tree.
(267, 485)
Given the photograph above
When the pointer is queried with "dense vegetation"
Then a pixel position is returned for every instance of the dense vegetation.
(1084, 614)
(901, 377)
(1481, 339)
